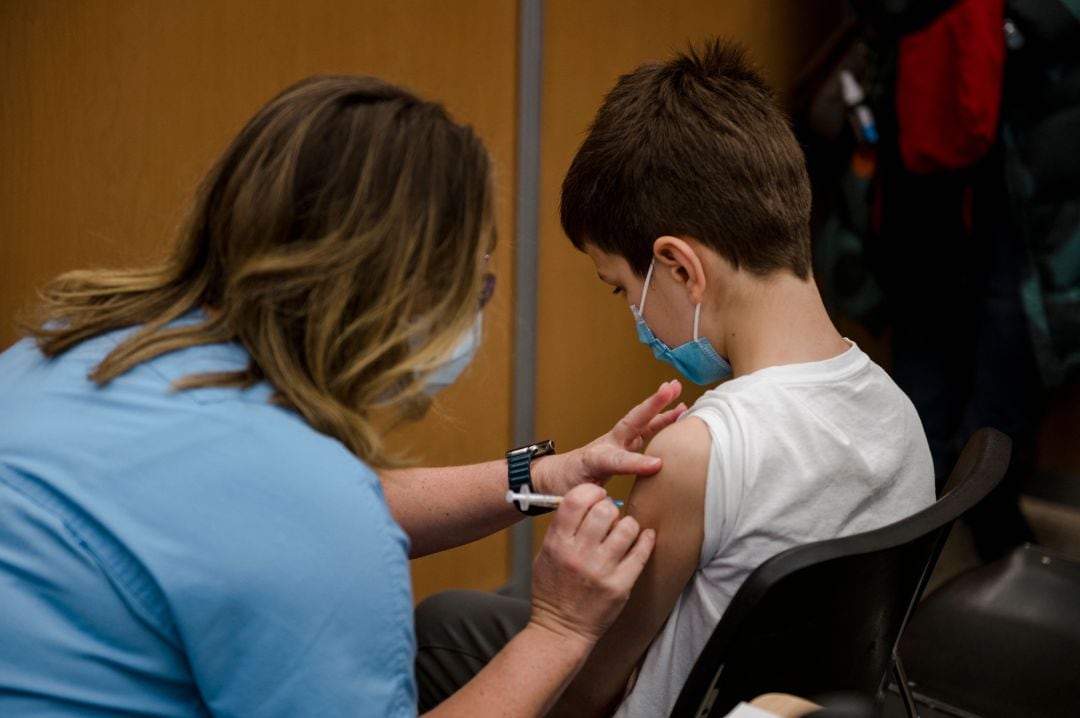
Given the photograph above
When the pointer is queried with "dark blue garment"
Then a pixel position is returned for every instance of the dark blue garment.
(962, 346)
(189, 553)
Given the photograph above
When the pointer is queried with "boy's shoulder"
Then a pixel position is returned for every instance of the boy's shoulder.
(685, 441)
(684, 447)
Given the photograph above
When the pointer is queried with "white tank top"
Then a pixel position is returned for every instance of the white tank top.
(800, 453)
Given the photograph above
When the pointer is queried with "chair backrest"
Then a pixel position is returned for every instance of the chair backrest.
(825, 617)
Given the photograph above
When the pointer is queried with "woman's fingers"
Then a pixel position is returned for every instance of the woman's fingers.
(620, 538)
(588, 563)
(636, 422)
(575, 505)
(616, 452)
(633, 562)
(610, 460)
(628, 548)
(663, 421)
(597, 522)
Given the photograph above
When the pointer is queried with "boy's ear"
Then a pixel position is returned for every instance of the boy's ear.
(678, 257)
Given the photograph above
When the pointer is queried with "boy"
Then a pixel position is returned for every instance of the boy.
(691, 197)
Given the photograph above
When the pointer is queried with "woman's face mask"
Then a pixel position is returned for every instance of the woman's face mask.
(448, 372)
(696, 360)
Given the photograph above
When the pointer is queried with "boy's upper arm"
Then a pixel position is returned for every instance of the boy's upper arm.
(672, 502)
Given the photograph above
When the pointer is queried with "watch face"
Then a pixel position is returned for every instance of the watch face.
(540, 448)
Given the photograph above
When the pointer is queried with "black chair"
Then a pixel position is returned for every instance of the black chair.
(825, 617)
(1001, 640)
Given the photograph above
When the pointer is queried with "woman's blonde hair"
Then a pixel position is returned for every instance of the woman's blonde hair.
(339, 239)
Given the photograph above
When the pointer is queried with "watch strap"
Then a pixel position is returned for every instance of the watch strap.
(519, 472)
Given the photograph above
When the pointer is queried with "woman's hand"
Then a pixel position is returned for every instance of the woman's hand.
(616, 452)
(582, 578)
(589, 561)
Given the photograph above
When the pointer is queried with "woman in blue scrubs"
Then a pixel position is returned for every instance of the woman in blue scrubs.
(197, 513)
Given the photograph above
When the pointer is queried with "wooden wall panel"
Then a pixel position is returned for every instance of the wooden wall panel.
(592, 367)
(111, 110)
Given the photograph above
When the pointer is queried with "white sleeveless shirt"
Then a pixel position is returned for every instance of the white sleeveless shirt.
(800, 453)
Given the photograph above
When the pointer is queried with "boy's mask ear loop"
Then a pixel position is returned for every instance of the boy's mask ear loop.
(645, 288)
(645, 292)
(697, 360)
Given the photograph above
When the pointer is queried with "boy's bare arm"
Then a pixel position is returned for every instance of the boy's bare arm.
(674, 504)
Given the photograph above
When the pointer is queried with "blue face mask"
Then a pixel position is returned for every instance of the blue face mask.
(696, 360)
(448, 372)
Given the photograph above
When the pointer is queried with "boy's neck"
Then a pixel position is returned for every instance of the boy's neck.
(778, 319)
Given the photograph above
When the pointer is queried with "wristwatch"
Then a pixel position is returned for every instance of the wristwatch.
(519, 470)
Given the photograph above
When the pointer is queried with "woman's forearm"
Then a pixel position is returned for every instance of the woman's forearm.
(523, 680)
(447, 507)
(440, 508)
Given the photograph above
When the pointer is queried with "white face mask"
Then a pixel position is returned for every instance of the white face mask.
(447, 373)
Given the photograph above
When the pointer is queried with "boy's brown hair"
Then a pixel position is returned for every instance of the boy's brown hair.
(692, 147)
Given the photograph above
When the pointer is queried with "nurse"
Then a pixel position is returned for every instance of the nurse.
(198, 515)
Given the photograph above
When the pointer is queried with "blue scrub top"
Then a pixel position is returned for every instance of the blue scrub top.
(189, 553)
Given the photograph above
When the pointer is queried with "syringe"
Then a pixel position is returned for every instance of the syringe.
(550, 501)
